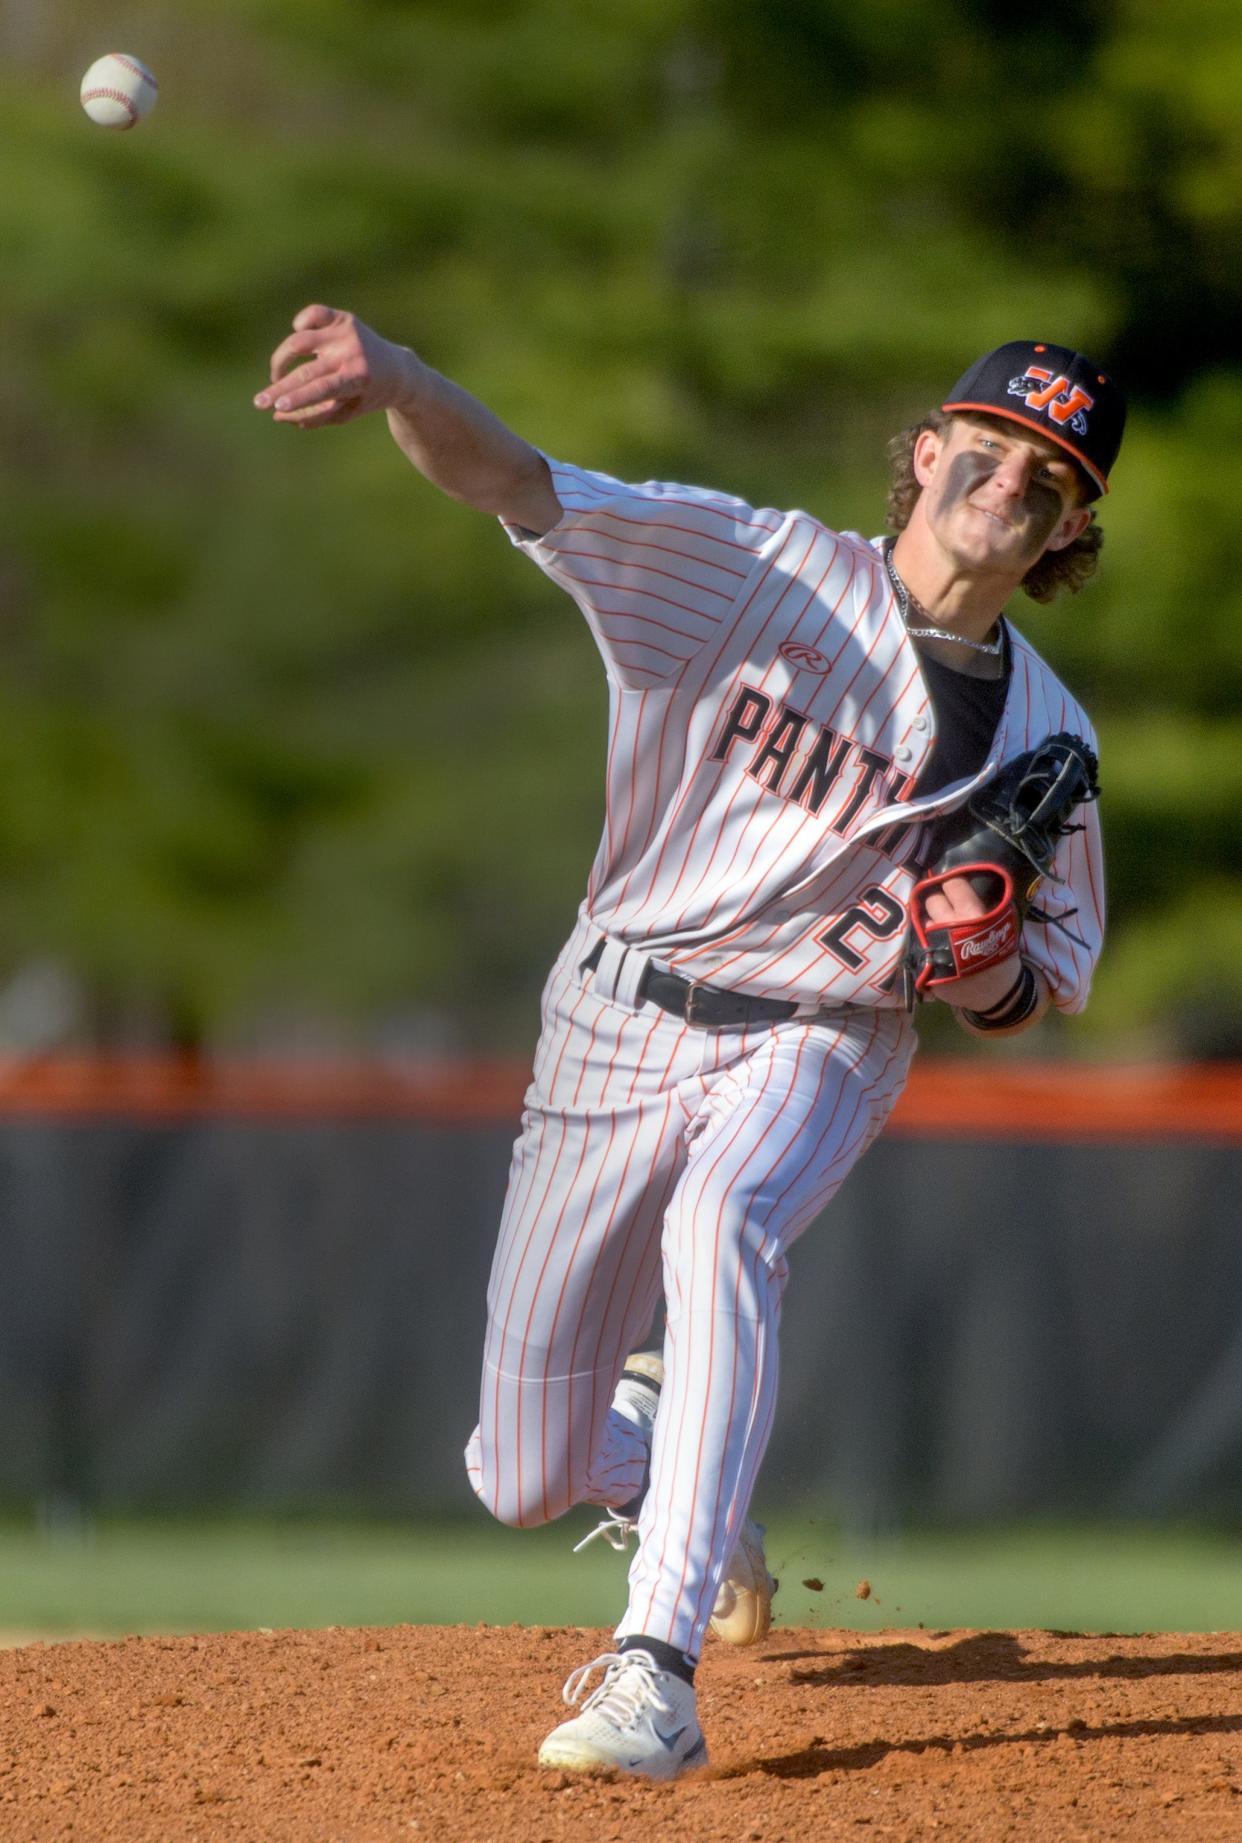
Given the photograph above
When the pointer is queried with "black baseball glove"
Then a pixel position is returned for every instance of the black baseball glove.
(1003, 840)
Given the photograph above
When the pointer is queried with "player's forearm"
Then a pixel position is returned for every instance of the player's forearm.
(466, 451)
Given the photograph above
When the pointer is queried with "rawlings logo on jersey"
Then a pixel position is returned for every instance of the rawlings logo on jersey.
(1064, 403)
(805, 658)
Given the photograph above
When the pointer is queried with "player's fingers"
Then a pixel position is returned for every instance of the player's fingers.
(314, 316)
(953, 901)
(292, 350)
(318, 415)
(314, 385)
(341, 412)
(961, 897)
(302, 376)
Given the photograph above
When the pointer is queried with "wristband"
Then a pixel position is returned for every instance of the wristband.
(1016, 1006)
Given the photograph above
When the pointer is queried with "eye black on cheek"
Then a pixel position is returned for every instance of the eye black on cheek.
(966, 472)
(1043, 508)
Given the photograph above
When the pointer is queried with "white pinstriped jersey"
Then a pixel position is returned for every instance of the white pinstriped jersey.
(768, 724)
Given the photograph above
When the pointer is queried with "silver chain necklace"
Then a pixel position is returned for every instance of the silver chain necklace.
(906, 602)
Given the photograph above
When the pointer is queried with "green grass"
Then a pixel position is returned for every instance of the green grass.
(152, 1576)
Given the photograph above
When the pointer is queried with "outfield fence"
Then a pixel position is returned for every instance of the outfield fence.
(263, 1285)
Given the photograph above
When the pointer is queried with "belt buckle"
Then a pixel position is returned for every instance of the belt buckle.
(696, 1005)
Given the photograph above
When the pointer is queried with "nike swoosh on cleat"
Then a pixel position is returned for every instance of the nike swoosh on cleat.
(667, 1741)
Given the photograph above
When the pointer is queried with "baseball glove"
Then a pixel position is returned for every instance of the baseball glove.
(1003, 840)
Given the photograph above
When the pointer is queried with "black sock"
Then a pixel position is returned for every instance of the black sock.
(667, 1657)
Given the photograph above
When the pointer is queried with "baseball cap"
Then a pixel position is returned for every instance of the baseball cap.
(1057, 392)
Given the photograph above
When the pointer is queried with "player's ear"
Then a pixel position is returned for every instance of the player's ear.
(1071, 526)
(928, 445)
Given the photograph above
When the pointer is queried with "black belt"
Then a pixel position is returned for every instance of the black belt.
(705, 1006)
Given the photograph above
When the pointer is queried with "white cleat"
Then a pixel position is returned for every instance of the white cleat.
(743, 1610)
(641, 1720)
(637, 1397)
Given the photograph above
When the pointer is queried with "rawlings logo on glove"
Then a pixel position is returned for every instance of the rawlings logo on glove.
(1003, 843)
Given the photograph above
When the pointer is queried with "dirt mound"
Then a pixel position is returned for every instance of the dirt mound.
(367, 1736)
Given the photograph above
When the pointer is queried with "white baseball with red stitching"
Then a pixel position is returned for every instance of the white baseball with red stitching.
(118, 90)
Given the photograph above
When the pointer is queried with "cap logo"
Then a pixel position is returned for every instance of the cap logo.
(1064, 402)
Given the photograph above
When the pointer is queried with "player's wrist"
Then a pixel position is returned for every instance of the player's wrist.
(410, 382)
(1015, 1007)
(980, 991)
(1021, 1005)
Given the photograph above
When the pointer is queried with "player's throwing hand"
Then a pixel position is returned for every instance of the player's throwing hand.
(337, 367)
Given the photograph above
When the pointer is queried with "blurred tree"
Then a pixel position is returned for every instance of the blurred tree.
(290, 745)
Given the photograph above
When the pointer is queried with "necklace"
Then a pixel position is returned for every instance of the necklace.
(907, 601)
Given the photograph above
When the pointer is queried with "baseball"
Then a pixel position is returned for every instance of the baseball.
(118, 90)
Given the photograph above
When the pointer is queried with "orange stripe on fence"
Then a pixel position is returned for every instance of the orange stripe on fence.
(171, 1088)
(977, 1100)
(944, 1099)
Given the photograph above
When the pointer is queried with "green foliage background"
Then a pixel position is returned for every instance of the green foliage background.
(292, 749)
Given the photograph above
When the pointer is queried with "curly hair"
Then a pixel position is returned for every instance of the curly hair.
(1056, 571)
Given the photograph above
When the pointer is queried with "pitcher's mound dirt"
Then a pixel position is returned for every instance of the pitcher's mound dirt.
(430, 1733)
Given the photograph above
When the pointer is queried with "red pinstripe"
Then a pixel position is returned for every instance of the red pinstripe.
(704, 506)
(807, 1211)
(647, 620)
(639, 596)
(848, 1151)
(621, 540)
(646, 646)
(666, 1576)
(689, 786)
(633, 567)
(549, 1178)
(822, 820)
(824, 893)
(666, 823)
(604, 853)
(632, 1322)
(639, 1056)
(704, 1364)
(560, 1303)
(740, 788)
(722, 1533)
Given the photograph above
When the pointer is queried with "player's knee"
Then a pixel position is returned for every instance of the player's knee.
(508, 1499)
(519, 1512)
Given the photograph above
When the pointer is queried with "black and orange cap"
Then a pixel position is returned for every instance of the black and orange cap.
(1058, 393)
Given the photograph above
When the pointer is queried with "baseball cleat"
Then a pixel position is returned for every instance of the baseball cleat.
(641, 1720)
(743, 1609)
(637, 1397)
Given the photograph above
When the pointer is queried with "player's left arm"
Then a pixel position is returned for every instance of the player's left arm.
(1010, 917)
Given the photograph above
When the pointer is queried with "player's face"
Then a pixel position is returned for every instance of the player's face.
(995, 496)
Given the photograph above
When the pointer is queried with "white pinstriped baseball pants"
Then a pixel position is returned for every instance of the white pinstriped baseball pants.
(645, 1141)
